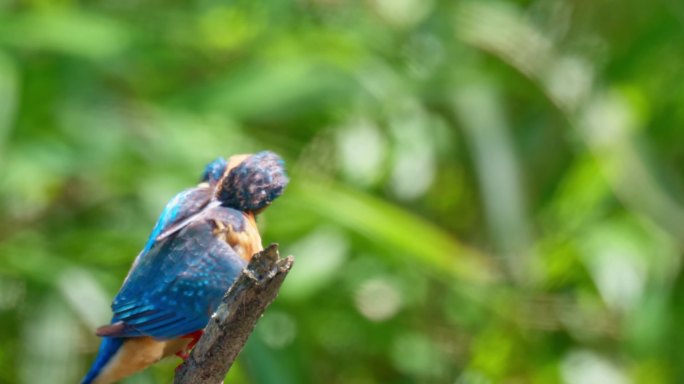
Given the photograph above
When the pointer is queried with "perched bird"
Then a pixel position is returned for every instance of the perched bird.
(202, 240)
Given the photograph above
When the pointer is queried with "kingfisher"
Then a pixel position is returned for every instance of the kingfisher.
(202, 240)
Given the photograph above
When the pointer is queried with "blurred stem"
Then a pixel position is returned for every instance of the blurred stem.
(491, 146)
(387, 224)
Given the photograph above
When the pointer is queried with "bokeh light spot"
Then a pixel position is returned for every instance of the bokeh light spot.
(378, 299)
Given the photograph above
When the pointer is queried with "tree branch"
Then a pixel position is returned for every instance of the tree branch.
(234, 320)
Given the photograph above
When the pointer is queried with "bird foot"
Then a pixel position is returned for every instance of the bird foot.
(194, 338)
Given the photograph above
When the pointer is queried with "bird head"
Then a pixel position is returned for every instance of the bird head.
(252, 182)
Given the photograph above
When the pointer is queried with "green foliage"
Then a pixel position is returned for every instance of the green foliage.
(481, 192)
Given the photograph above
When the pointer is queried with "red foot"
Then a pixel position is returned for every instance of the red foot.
(194, 338)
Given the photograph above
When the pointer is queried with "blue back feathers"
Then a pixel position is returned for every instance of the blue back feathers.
(175, 288)
(255, 183)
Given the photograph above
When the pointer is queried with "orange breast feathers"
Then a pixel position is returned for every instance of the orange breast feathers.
(246, 242)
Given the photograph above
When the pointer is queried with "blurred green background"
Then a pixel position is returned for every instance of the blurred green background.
(482, 191)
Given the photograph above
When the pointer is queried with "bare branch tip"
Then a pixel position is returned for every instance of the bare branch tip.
(244, 303)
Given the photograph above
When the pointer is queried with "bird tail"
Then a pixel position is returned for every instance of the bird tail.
(254, 183)
(108, 348)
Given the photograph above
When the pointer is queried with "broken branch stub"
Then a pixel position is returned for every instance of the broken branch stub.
(234, 320)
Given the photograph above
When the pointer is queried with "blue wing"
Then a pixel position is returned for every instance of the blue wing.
(179, 283)
(181, 207)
